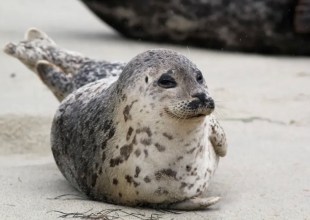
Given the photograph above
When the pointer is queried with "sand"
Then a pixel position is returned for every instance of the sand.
(262, 102)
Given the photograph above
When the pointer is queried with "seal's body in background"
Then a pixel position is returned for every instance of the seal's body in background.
(147, 137)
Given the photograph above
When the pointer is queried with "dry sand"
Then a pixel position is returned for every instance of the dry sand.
(263, 104)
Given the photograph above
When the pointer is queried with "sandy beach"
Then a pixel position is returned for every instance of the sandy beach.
(263, 103)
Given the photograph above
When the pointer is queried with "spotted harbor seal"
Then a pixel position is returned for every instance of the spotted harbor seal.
(136, 134)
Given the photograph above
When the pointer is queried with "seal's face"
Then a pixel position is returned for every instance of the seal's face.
(184, 93)
(164, 82)
(180, 91)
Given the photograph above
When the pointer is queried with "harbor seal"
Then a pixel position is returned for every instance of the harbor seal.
(148, 138)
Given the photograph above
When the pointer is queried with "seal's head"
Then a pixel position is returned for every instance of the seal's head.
(170, 83)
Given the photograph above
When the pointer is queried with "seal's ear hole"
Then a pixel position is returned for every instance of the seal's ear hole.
(146, 79)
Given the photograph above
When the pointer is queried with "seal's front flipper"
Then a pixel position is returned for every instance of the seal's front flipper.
(217, 137)
(196, 203)
(55, 79)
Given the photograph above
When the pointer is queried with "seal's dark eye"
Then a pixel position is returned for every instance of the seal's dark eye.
(166, 81)
(199, 77)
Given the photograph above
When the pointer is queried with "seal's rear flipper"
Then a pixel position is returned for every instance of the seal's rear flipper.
(10, 49)
(32, 49)
(55, 79)
(33, 33)
(39, 46)
(30, 35)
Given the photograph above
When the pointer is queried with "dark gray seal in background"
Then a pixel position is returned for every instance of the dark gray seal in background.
(265, 26)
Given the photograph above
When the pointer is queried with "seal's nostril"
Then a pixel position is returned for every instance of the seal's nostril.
(204, 99)
(210, 103)
(201, 96)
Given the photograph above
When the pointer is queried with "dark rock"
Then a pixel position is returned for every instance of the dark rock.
(265, 26)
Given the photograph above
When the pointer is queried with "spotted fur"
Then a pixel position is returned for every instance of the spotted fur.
(126, 134)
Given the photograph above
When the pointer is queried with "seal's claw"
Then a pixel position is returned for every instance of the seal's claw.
(10, 49)
(196, 203)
